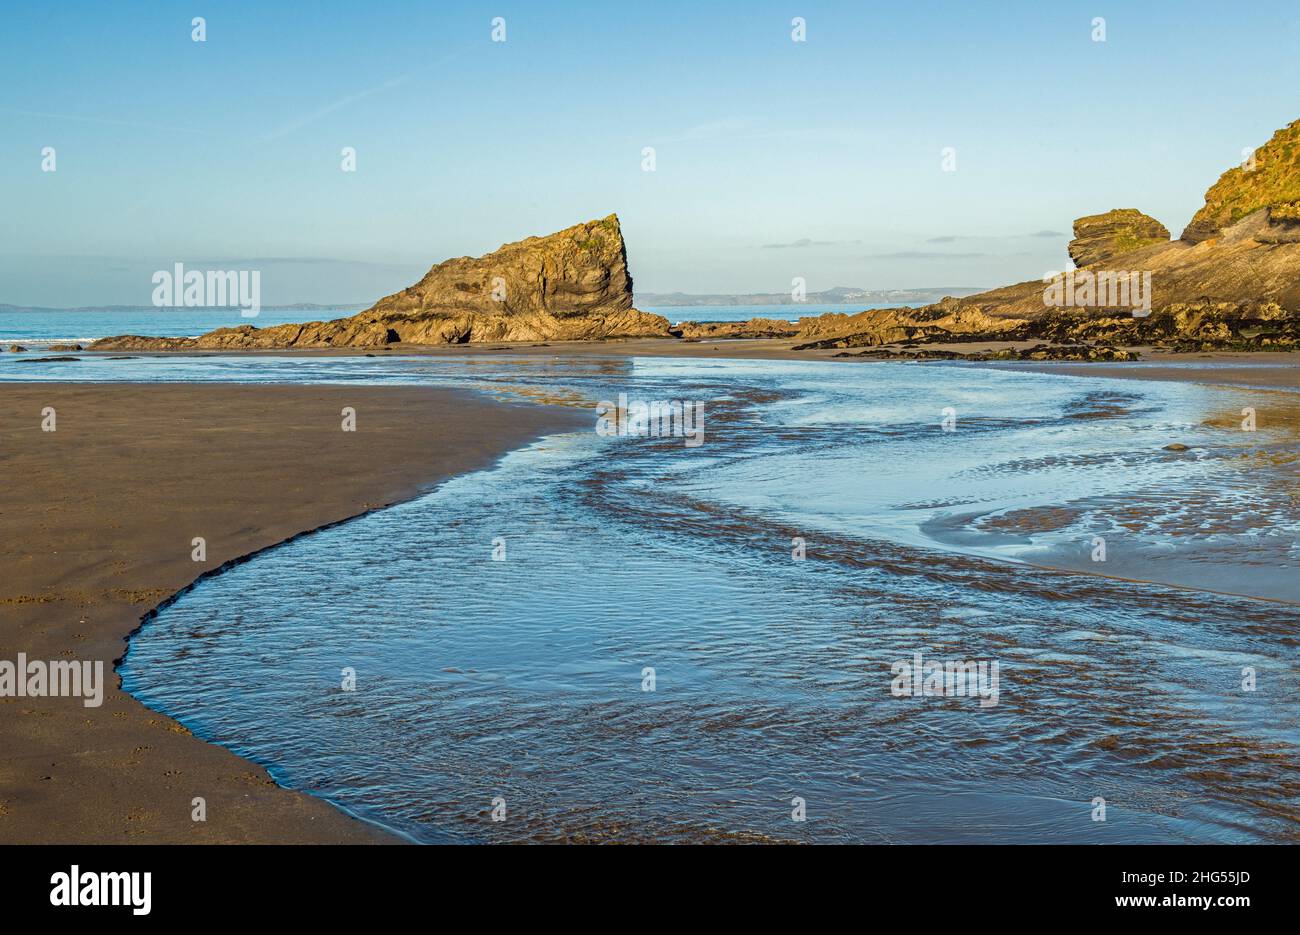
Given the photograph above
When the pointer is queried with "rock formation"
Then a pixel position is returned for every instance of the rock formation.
(581, 270)
(1231, 283)
(754, 328)
(1081, 352)
(1099, 237)
(569, 286)
(1243, 246)
(945, 321)
(1201, 326)
(1269, 182)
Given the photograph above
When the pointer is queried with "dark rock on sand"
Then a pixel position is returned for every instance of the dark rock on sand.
(16, 348)
(1038, 352)
(753, 328)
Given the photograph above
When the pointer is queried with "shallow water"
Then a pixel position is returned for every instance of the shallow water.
(522, 680)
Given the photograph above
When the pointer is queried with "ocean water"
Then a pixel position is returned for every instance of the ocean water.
(39, 329)
(517, 688)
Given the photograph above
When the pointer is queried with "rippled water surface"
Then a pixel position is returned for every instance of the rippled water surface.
(520, 681)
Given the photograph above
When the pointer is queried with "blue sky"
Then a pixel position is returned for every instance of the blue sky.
(774, 159)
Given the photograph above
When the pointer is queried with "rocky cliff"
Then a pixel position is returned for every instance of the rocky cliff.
(1268, 182)
(1231, 282)
(567, 286)
(1243, 246)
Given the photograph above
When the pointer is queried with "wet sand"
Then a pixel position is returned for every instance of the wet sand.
(96, 524)
(1263, 370)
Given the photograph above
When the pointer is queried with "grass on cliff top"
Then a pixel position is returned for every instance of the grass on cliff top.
(1274, 183)
(1129, 240)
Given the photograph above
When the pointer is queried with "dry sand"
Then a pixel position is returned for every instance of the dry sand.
(96, 523)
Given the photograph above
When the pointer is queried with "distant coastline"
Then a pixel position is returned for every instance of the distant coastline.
(839, 295)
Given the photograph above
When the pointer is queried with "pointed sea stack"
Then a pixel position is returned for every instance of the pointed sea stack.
(573, 285)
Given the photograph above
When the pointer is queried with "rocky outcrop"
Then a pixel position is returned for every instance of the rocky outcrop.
(1080, 352)
(1232, 282)
(753, 328)
(1241, 251)
(573, 285)
(1246, 263)
(945, 322)
(1205, 326)
(1268, 182)
(1243, 326)
(1099, 237)
(579, 271)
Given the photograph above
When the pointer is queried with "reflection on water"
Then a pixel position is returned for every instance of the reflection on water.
(521, 681)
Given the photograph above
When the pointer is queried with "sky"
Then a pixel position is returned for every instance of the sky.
(773, 159)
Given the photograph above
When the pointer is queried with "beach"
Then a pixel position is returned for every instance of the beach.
(101, 530)
(97, 522)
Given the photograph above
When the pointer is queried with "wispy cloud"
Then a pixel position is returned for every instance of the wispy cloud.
(807, 242)
(953, 238)
(297, 124)
(925, 255)
(324, 111)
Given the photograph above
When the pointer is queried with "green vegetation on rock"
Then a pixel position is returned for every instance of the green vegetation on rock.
(1099, 237)
(1272, 182)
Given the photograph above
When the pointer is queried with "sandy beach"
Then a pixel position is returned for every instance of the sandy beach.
(99, 532)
